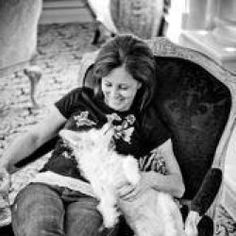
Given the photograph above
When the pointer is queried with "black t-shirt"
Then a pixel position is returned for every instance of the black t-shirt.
(135, 134)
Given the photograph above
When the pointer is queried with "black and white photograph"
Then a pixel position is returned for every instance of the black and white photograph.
(117, 117)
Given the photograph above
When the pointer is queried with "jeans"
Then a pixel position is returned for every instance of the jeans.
(42, 210)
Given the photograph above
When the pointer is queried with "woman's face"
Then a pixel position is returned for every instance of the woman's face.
(119, 89)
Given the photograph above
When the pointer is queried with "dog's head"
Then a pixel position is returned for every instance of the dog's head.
(89, 139)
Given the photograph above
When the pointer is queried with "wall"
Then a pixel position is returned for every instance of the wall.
(18, 30)
(215, 33)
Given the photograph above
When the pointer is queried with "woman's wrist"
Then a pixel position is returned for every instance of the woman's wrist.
(150, 178)
(167, 183)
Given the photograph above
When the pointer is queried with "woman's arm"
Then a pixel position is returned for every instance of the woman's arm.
(173, 181)
(26, 144)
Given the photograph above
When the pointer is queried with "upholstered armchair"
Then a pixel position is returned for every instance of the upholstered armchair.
(195, 98)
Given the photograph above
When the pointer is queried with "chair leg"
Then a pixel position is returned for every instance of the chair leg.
(97, 33)
(34, 74)
(101, 33)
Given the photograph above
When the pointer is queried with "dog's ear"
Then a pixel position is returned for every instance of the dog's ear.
(71, 137)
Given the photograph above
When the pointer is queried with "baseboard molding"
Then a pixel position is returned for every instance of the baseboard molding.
(65, 12)
(62, 3)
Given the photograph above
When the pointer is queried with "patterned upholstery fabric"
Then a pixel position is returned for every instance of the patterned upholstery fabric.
(195, 106)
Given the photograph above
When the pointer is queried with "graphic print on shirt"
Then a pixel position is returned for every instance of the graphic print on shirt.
(79, 121)
(125, 130)
(83, 120)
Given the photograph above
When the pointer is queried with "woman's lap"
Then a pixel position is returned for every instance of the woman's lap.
(45, 211)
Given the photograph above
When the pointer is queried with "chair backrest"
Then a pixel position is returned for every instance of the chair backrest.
(195, 106)
(195, 99)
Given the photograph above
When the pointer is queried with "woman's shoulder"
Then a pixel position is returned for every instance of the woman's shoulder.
(154, 128)
(71, 101)
(151, 118)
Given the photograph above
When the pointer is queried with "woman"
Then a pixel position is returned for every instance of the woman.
(59, 200)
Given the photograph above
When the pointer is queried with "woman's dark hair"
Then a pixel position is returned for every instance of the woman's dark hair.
(136, 57)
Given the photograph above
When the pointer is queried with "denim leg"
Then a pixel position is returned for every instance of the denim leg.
(38, 211)
(82, 218)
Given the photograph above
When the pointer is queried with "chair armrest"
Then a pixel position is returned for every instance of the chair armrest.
(207, 192)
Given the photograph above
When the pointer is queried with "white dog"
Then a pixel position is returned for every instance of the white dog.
(151, 214)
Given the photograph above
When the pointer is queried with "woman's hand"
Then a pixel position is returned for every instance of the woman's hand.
(5, 181)
(130, 192)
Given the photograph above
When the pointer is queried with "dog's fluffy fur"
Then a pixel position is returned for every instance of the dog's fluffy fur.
(151, 214)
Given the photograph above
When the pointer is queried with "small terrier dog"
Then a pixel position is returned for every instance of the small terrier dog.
(151, 214)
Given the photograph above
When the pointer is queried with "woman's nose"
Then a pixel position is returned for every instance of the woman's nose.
(114, 92)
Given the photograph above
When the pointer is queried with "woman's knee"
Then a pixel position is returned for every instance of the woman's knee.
(83, 218)
(39, 226)
(37, 210)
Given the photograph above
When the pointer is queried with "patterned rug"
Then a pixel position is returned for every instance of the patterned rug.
(60, 49)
